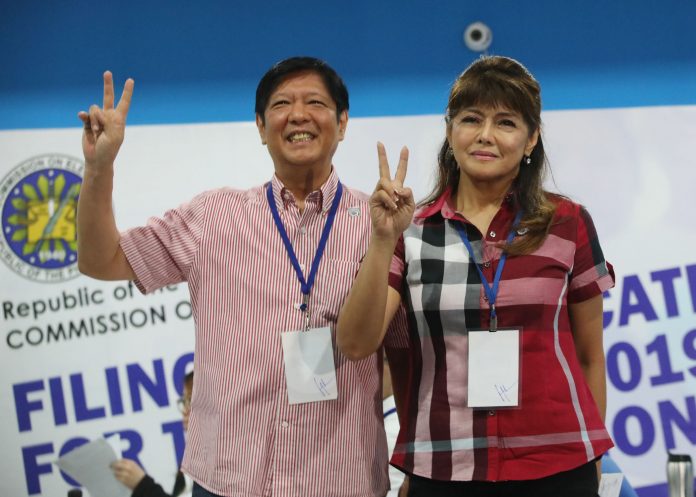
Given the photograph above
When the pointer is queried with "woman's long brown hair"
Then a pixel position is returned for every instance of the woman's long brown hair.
(503, 82)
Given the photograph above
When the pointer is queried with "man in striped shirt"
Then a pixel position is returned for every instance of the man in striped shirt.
(234, 248)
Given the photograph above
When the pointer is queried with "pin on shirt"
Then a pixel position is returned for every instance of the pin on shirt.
(353, 211)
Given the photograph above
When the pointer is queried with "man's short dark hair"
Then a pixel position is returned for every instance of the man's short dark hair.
(276, 74)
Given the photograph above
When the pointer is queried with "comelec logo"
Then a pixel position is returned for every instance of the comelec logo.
(38, 199)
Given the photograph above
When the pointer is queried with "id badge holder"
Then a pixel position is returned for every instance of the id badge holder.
(494, 368)
(310, 373)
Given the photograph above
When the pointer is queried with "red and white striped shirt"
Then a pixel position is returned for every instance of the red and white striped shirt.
(244, 438)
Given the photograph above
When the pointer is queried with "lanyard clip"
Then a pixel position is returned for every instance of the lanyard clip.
(493, 326)
(305, 308)
(307, 320)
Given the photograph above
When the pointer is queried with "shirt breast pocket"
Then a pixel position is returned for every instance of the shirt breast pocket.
(334, 280)
(539, 277)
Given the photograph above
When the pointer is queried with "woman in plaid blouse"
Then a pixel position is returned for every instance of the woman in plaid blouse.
(488, 250)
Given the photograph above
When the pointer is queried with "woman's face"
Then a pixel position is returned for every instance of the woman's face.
(488, 143)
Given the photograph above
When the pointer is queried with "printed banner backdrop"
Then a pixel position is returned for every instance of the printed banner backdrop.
(82, 358)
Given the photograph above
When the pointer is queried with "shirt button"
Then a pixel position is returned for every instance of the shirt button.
(303, 230)
(487, 264)
(302, 267)
(491, 413)
(492, 234)
(284, 424)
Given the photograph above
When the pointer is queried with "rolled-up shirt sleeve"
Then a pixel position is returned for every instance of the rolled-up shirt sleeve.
(164, 251)
(591, 274)
(398, 266)
(397, 333)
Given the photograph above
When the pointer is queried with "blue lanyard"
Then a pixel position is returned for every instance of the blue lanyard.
(306, 285)
(491, 291)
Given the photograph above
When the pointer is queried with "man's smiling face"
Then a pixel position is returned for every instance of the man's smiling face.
(300, 125)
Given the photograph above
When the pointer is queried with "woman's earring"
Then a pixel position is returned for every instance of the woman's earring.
(450, 152)
(526, 159)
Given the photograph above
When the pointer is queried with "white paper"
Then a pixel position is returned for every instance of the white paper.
(89, 465)
(610, 484)
(114, 442)
(494, 359)
(310, 373)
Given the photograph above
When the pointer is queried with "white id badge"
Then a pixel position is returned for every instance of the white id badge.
(310, 373)
(494, 368)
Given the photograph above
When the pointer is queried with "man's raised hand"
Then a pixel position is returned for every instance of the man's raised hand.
(104, 127)
(391, 204)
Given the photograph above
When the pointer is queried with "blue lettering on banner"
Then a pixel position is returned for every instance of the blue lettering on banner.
(176, 430)
(691, 278)
(670, 416)
(666, 278)
(82, 412)
(666, 358)
(114, 389)
(625, 369)
(633, 369)
(28, 398)
(33, 469)
(157, 389)
(636, 302)
(689, 345)
(34, 396)
(647, 430)
(60, 415)
(667, 374)
(23, 405)
(632, 287)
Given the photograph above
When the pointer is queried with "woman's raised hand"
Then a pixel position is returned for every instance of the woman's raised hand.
(391, 204)
(104, 127)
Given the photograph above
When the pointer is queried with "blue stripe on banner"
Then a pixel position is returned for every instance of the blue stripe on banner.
(390, 412)
(660, 490)
(206, 102)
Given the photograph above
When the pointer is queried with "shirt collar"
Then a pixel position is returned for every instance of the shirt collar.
(322, 197)
(441, 204)
(444, 205)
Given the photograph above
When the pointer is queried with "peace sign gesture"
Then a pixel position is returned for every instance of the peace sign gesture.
(391, 205)
(104, 127)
